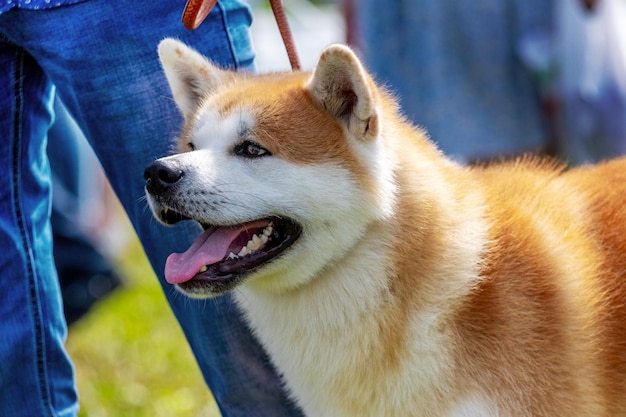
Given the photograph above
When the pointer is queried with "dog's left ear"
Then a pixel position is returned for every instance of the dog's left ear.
(190, 75)
(341, 85)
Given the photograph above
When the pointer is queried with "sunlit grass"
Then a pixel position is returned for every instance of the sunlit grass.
(130, 355)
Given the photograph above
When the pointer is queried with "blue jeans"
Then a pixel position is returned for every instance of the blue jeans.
(101, 57)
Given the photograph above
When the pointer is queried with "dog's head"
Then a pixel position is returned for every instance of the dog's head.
(285, 172)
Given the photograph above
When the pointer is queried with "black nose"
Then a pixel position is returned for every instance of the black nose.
(161, 176)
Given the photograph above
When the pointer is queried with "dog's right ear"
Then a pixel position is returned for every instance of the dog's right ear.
(190, 75)
(342, 87)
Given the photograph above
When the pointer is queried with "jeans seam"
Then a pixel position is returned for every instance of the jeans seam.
(21, 223)
(224, 17)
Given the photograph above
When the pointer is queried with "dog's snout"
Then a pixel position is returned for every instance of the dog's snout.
(161, 176)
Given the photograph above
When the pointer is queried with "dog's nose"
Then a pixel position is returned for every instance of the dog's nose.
(160, 176)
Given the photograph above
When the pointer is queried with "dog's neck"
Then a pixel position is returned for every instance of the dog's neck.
(337, 326)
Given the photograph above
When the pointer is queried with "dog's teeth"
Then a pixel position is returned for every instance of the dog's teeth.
(254, 243)
(232, 256)
(203, 269)
(165, 210)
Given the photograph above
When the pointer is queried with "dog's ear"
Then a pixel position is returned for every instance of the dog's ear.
(190, 75)
(341, 85)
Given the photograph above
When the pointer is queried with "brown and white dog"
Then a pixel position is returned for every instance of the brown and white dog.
(382, 278)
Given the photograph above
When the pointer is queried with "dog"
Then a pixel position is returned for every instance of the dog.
(383, 278)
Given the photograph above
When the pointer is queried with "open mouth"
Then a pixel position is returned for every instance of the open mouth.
(168, 216)
(223, 255)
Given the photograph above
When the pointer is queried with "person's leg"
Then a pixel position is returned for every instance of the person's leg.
(36, 377)
(102, 57)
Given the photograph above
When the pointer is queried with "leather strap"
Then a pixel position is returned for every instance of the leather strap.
(285, 33)
(197, 10)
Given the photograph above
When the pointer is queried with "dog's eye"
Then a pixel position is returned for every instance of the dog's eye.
(251, 150)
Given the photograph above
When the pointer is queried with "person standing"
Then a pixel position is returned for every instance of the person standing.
(100, 58)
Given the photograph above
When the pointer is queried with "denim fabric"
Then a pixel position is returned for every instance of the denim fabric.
(36, 377)
(101, 56)
(34, 4)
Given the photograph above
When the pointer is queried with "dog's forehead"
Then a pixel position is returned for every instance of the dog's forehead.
(213, 128)
(233, 113)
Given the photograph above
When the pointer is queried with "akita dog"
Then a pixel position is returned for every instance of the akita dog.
(383, 278)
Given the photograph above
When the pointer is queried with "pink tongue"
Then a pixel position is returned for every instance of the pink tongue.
(210, 247)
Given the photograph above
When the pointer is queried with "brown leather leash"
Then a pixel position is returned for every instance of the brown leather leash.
(197, 10)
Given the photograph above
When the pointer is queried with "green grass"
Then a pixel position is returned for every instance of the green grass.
(130, 355)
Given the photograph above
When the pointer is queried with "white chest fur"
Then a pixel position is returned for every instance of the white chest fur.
(331, 344)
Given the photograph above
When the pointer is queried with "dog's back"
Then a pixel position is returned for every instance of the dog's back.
(545, 329)
(541, 330)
